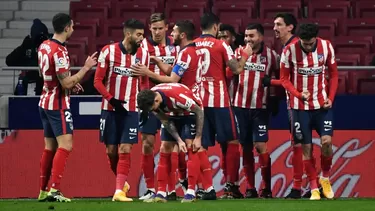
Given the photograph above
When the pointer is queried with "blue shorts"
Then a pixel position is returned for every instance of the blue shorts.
(56, 122)
(253, 124)
(305, 121)
(152, 125)
(220, 124)
(185, 126)
(117, 128)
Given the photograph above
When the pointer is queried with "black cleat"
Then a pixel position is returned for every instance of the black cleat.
(235, 192)
(227, 194)
(172, 196)
(184, 186)
(265, 193)
(210, 195)
(251, 193)
(294, 194)
(199, 193)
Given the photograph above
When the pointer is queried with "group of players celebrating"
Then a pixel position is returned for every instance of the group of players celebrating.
(198, 92)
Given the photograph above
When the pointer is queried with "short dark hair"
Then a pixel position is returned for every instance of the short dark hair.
(60, 21)
(145, 99)
(256, 26)
(156, 17)
(308, 31)
(133, 24)
(227, 27)
(289, 19)
(187, 27)
(208, 20)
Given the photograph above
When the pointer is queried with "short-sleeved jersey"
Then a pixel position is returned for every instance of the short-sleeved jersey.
(114, 67)
(167, 53)
(177, 98)
(216, 53)
(53, 59)
(249, 91)
(301, 71)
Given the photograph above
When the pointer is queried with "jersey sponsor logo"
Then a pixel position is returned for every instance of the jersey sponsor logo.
(123, 71)
(204, 44)
(310, 70)
(167, 59)
(255, 67)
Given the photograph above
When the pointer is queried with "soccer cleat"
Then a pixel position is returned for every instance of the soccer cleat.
(42, 196)
(227, 193)
(149, 194)
(172, 196)
(315, 194)
(235, 192)
(121, 196)
(199, 193)
(210, 195)
(184, 186)
(156, 198)
(294, 194)
(188, 198)
(327, 188)
(126, 187)
(307, 194)
(266, 194)
(56, 195)
(251, 193)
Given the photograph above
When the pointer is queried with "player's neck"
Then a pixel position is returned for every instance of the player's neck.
(128, 46)
(285, 39)
(210, 32)
(185, 43)
(162, 41)
(59, 37)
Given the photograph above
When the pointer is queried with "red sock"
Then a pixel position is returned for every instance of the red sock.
(194, 169)
(58, 166)
(297, 167)
(232, 159)
(113, 163)
(163, 171)
(248, 165)
(199, 179)
(123, 167)
(148, 170)
(45, 168)
(172, 174)
(326, 162)
(265, 165)
(311, 173)
(182, 166)
(205, 168)
(224, 148)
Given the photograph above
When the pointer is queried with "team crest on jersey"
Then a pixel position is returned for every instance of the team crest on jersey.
(263, 59)
(172, 49)
(137, 60)
(321, 57)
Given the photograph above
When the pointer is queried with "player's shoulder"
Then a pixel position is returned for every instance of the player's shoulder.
(323, 41)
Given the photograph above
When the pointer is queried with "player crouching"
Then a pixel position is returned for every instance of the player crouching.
(184, 127)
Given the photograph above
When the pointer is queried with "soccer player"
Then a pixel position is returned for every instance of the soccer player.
(285, 29)
(119, 118)
(220, 121)
(186, 68)
(228, 34)
(250, 103)
(161, 46)
(303, 74)
(54, 106)
(183, 102)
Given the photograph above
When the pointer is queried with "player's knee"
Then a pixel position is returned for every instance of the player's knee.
(125, 148)
(326, 141)
(307, 151)
(148, 143)
(112, 151)
(166, 146)
(234, 142)
(260, 147)
(50, 144)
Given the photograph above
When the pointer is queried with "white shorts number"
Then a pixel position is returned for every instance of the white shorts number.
(297, 126)
(68, 116)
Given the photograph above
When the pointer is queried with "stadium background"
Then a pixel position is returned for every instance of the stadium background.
(349, 24)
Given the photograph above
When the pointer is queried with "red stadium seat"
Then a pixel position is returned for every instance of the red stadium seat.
(114, 27)
(368, 59)
(327, 26)
(353, 45)
(86, 28)
(343, 83)
(179, 11)
(195, 20)
(363, 27)
(234, 10)
(268, 9)
(129, 10)
(84, 10)
(329, 9)
(365, 9)
(269, 42)
(78, 47)
(362, 81)
(100, 42)
(236, 23)
(348, 59)
(267, 25)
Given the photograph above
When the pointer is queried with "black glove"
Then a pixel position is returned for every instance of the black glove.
(266, 81)
(273, 105)
(143, 118)
(117, 104)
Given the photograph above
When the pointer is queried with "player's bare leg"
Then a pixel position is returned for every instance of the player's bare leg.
(148, 141)
(309, 164)
(65, 145)
(326, 162)
(46, 166)
(193, 173)
(206, 174)
(232, 164)
(172, 175)
(265, 165)
(123, 167)
(164, 168)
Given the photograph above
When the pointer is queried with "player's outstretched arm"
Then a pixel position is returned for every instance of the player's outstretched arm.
(165, 68)
(199, 115)
(67, 81)
(238, 66)
(140, 69)
(333, 73)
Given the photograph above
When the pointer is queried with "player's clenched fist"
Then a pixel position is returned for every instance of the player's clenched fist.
(327, 104)
(248, 49)
(91, 61)
(305, 95)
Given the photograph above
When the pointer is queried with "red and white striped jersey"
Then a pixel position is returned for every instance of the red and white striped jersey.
(215, 55)
(114, 67)
(301, 71)
(177, 98)
(167, 53)
(53, 59)
(249, 91)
